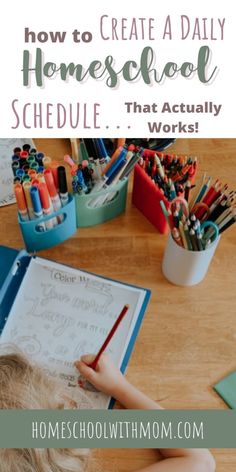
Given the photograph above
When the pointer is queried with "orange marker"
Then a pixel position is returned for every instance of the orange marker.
(32, 173)
(56, 202)
(21, 203)
(54, 166)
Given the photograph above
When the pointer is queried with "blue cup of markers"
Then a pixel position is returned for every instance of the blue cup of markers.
(35, 233)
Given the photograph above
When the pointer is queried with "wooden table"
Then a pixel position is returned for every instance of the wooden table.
(188, 338)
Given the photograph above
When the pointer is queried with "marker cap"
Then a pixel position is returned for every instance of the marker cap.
(62, 179)
(20, 197)
(26, 147)
(32, 173)
(35, 182)
(44, 196)
(24, 154)
(35, 199)
(50, 182)
(17, 150)
(53, 166)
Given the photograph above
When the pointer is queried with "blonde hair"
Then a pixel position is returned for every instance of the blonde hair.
(24, 386)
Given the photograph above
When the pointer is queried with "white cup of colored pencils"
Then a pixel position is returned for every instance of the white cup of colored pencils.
(196, 224)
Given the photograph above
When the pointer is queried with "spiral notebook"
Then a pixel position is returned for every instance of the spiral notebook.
(55, 314)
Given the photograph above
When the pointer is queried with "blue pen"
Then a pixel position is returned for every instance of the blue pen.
(37, 207)
(117, 170)
(116, 163)
(113, 170)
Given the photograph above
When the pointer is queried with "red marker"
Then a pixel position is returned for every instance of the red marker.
(56, 202)
(46, 205)
(24, 154)
(54, 166)
(35, 182)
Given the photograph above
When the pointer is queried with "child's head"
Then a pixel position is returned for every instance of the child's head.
(23, 386)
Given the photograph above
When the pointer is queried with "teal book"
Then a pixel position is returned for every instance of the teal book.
(226, 388)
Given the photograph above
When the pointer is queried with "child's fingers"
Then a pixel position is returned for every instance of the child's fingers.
(87, 358)
(87, 372)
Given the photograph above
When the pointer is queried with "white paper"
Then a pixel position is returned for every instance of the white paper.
(61, 313)
(6, 175)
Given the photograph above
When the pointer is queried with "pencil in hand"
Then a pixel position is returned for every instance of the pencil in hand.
(83, 382)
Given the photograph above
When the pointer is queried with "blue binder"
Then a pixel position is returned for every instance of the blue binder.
(13, 266)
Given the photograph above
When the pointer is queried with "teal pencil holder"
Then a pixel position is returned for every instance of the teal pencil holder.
(36, 240)
(98, 207)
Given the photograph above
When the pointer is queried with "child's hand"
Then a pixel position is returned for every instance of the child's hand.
(107, 377)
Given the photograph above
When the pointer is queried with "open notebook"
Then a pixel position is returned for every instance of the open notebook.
(60, 313)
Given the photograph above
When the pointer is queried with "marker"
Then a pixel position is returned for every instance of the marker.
(40, 177)
(26, 147)
(17, 151)
(30, 159)
(25, 168)
(38, 212)
(32, 173)
(24, 154)
(27, 187)
(15, 166)
(53, 166)
(39, 158)
(20, 173)
(35, 182)
(46, 161)
(46, 205)
(62, 182)
(21, 203)
(56, 202)
(25, 178)
(34, 166)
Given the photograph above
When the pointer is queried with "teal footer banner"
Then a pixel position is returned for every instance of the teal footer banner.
(117, 428)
